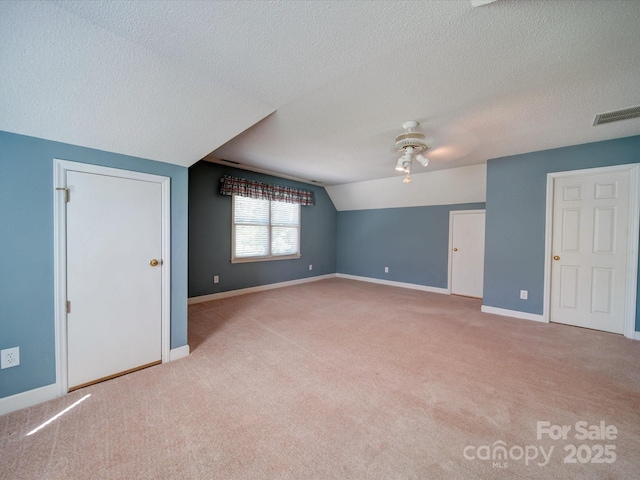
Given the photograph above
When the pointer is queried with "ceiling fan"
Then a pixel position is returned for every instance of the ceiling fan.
(411, 144)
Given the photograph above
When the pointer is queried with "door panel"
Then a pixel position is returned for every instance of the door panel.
(569, 286)
(570, 230)
(601, 289)
(467, 261)
(590, 243)
(114, 228)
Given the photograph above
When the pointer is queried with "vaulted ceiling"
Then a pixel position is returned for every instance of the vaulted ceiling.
(318, 89)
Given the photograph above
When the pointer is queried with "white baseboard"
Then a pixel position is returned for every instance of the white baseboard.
(413, 286)
(28, 398)
(513, 313)
(49, 392)
(177, 353)
(259, 288)
(636, 335)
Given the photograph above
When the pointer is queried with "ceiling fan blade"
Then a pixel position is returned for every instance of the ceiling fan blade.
(480, 3)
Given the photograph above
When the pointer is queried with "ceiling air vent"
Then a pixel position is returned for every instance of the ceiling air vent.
(624, 114)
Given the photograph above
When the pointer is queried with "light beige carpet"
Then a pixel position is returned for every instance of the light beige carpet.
(343, 379)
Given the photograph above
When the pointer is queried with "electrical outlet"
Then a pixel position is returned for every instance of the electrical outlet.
(310, 267)
(386, 269)
(216, 279)
(524, 294)
(10, 357)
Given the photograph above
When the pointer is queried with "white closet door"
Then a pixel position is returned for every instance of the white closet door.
(114, 231)
(467, 261)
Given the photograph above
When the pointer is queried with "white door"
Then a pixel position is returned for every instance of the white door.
(590, 250)
(467, 253)
(113, 231)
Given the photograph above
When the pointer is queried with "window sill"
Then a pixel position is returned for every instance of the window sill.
(264, 259)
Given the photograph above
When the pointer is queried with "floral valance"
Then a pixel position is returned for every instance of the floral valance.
(264, 191)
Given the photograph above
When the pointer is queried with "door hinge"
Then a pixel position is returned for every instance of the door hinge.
(68, 306)
(66, 193)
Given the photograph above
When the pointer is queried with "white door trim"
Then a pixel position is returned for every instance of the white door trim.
(449, 256)
(634, 236)
(60, 168)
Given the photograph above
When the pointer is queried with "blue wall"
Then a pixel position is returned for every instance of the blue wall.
(26, 251)
(516, 211)
(210, 235)
(413, 242)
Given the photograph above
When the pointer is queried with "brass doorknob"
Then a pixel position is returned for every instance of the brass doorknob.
(455, 249)
(556, 257)
(153, 262)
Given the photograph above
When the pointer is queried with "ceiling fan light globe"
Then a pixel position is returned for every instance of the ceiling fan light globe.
(424, 161)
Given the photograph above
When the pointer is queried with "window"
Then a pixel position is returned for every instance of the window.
(264, 230)
(266, 219)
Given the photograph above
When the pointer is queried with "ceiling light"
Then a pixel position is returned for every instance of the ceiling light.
(424, 161)
(411, 144)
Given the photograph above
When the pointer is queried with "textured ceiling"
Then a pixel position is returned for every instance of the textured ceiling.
(175, 80)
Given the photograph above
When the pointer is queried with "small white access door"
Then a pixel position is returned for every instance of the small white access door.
(114, 236)
(466, 242)
(590, 249)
